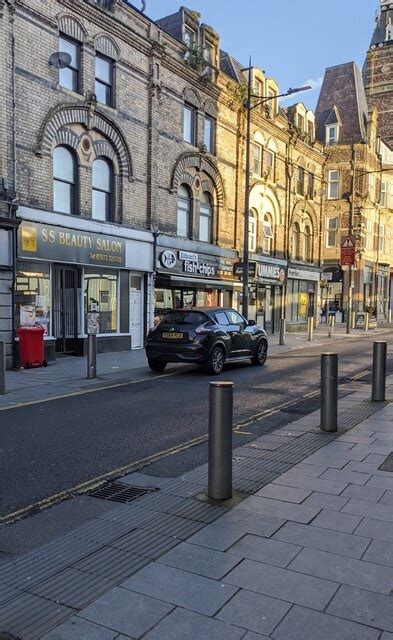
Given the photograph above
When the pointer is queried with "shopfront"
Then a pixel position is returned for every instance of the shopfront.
(331, 292)
(63, 274)
(187, 279)
(267, 278)
(302, 295)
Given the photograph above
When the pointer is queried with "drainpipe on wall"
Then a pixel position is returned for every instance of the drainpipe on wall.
(13, 205)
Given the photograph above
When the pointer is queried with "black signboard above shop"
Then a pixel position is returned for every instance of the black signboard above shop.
(197, 265)
(47, 242)
(263, 272)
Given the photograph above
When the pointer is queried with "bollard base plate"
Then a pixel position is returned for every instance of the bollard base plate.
(237, 497)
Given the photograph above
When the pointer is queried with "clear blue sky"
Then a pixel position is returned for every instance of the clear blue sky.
(293, 41)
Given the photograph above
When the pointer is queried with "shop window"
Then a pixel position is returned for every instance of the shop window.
(296, 241)
(104, 80)
(252, 231)
(333, 184)
(205, 218)
(331, 232)
(33, 295)
(101, 297)
(102, 196)
(257, 159)
(210, 134)
(183, 212)
(64, 180)
(189, 124)
(308, 244)
(69, 77)
(267, 234)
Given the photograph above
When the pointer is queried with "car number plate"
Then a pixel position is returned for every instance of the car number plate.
(172, 335)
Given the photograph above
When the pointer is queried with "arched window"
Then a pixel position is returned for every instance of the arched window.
(205, 218)
(64, 180)
(102, 195)
(252, 231)
(267, 244)
(296, 241)
(183, 212)
(308, 243)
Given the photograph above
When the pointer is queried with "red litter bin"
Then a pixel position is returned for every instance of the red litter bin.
(31, 347)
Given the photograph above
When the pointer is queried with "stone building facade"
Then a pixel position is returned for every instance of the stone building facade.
(358, 198)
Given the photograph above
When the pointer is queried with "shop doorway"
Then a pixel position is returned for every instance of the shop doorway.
(66, 309)
(136, 312)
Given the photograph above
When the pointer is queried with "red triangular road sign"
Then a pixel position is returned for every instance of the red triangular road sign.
(348, 243)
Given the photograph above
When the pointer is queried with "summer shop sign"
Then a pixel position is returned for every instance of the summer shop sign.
(263, 272)
(47, 242)
(193, 264)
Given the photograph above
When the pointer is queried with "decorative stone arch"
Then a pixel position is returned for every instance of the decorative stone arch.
(301, 161)
(188, 180)
(103, 149)
(203, 164)
(300, 212)
(72, 27)
(311, 167)
(208, 187)
(210, 108)
(259, 137)
(192, 97)
(108, 47)
(67, 137)
(272, 145)
(88, 116)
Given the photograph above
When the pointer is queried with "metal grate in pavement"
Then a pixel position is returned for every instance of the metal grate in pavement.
(30, 617)
(73, 588)
(119, 492)
(111, 563)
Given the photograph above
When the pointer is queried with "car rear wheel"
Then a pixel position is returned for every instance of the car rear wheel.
(215, 364)
(157, 365)
(260, 355)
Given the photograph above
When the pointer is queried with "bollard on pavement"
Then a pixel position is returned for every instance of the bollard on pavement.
(91, 356)
(366, 321)
(220, 440)
(2, 368)
(281, 340)
(310, 327)
(379, 372)
(329, 391)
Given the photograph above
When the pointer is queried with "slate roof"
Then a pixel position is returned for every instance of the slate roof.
(342, 96)
(382, 21)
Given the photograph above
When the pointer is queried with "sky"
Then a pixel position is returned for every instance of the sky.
(293, 41)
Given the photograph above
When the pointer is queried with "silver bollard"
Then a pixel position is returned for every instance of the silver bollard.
(379, 372)
(91, 356)
(310, 327)
(329, 391)
(281, 340)
(2, 369)
(220, 440)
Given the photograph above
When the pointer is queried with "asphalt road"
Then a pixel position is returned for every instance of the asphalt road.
(51, 447)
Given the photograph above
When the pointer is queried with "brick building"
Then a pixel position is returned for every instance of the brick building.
(122, 164)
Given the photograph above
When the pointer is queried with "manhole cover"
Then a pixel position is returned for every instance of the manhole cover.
(120, 492)
(387, 465)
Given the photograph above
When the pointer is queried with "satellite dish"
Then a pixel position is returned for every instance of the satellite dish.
(60, 60)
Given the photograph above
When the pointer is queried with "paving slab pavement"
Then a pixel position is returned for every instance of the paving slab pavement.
(305, 554)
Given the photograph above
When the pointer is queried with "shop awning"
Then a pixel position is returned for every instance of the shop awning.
(197, 283)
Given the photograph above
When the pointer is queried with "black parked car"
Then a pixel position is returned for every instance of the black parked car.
(209, 336)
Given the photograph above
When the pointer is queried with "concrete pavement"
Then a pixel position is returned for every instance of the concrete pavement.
(68, 375)
(306, 553)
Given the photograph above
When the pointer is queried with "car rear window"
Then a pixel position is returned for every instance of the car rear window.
(184, 317)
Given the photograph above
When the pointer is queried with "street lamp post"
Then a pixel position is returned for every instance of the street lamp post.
(249, 107)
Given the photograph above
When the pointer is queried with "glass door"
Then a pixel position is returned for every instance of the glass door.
(136, 311)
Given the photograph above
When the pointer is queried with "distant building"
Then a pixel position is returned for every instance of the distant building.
(378, 71)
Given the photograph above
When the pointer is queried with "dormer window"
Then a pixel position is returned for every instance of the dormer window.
(300, 122)
(258, 88)
(189, 38)
(332, 134)
(208, 56)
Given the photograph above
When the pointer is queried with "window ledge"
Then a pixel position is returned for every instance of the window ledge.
(69, 92)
